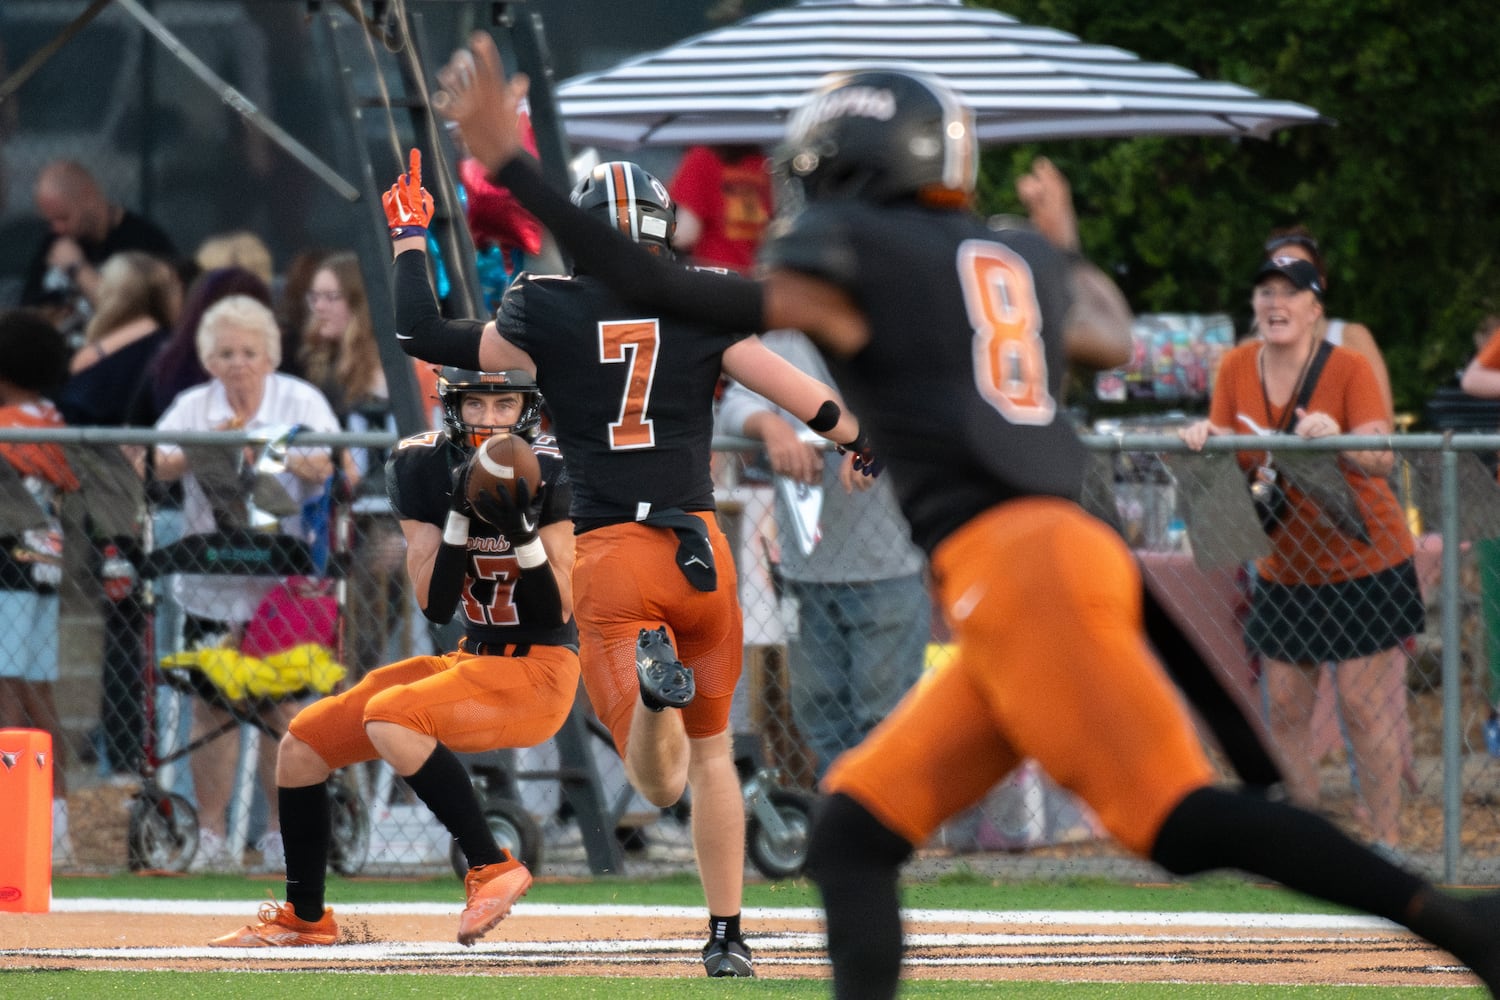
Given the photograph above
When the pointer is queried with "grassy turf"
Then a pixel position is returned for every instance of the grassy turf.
(963, 891)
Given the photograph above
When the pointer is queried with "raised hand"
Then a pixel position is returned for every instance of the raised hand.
(477, 98)
(1049, 201)
(408, 206)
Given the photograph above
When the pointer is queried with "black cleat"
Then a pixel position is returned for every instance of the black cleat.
(665, 681)
(723, 959)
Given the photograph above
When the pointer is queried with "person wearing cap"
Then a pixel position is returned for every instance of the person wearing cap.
(1340, 589)
(1298, 242)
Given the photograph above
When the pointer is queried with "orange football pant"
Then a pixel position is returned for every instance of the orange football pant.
(1051, 663)
(625, 578)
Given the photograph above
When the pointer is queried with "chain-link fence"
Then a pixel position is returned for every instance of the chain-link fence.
(167, 715)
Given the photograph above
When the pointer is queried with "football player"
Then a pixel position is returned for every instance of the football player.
(953, 339)
(631, 399)
(510, 682)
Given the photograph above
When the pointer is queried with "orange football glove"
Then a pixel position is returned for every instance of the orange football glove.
(408, 206)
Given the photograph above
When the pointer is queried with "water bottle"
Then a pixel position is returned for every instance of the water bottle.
(1176, 535)
(116, 573)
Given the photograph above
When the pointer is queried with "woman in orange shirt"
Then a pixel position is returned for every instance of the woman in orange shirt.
(1327, 592)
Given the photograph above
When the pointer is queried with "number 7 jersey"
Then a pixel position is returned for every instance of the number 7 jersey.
(631, 395)
(961, 380)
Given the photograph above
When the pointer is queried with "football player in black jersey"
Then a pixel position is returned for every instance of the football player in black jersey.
(510, 683)
(952, 339)
(631, 400)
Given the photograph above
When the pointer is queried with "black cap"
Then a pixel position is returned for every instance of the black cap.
(1303, 276)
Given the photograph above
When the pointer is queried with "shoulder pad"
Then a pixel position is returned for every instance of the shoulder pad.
(817, 241)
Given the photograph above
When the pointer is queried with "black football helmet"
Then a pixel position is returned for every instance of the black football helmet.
(454, 383)
(881, 135)
(630, 200)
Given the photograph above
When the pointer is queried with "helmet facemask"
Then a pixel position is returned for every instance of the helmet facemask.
(456, 383)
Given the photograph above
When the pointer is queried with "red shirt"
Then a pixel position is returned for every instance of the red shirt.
(732, 200)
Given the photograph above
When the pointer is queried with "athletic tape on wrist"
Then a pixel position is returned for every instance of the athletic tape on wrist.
(456, 531)
(531, 554)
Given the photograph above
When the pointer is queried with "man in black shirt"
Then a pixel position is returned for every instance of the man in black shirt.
(86, 229)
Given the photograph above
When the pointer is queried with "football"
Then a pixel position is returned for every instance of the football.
(499, 462)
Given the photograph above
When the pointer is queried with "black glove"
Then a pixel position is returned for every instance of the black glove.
(459, 502)
(517, 519)
(865, 459)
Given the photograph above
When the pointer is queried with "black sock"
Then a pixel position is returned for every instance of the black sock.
(854, 860)
(1214, 828)
(444, 787)
(724, 928)
(306, 832)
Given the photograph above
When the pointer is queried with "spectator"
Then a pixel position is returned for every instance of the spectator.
(338, 352)
(33, 362)
(292, 310)
(723, 196)
(138, 301)
(240, 248)
(1324, 730)
(339, 355)
(1325, 594)
(239, 345)
(176, 365)
(1482, 378)
(87, 229)
(862, 609)
(1298, 242)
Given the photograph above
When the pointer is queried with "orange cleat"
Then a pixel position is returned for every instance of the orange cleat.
(491, 890)
(280, 927)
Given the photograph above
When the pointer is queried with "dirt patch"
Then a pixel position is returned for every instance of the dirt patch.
(623, 943)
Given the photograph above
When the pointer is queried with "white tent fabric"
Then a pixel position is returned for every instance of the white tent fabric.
(738, 83)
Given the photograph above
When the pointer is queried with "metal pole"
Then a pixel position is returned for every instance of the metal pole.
(1451, 670)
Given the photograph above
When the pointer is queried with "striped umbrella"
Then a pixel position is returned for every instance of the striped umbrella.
(1026, 83)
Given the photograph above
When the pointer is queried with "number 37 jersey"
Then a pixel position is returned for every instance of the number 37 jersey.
(961, 379)
(494, 602)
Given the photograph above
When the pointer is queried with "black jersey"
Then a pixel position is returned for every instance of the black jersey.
(631, 395)
(495, 598)
(961, 382)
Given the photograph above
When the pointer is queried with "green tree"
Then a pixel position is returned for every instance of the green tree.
(1401, 191)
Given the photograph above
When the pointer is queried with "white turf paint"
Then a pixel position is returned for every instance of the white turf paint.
(1033, 918)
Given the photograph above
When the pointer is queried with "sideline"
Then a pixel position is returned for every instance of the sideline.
(1030, 918)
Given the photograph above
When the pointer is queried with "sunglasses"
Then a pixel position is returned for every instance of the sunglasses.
(1306, 242)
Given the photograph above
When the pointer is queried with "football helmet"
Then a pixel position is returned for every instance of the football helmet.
(630, 200)
(881, 135)
(455, 383)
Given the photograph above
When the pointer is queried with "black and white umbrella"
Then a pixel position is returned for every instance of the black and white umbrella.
(1026, 83)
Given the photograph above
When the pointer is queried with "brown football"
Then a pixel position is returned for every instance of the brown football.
(499, 462)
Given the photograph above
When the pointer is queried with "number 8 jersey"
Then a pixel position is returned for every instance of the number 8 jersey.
(989, 319)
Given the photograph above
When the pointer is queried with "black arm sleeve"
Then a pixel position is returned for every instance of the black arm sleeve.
(638, 276)
(539, 602)
(420, 329)
(446, 583)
